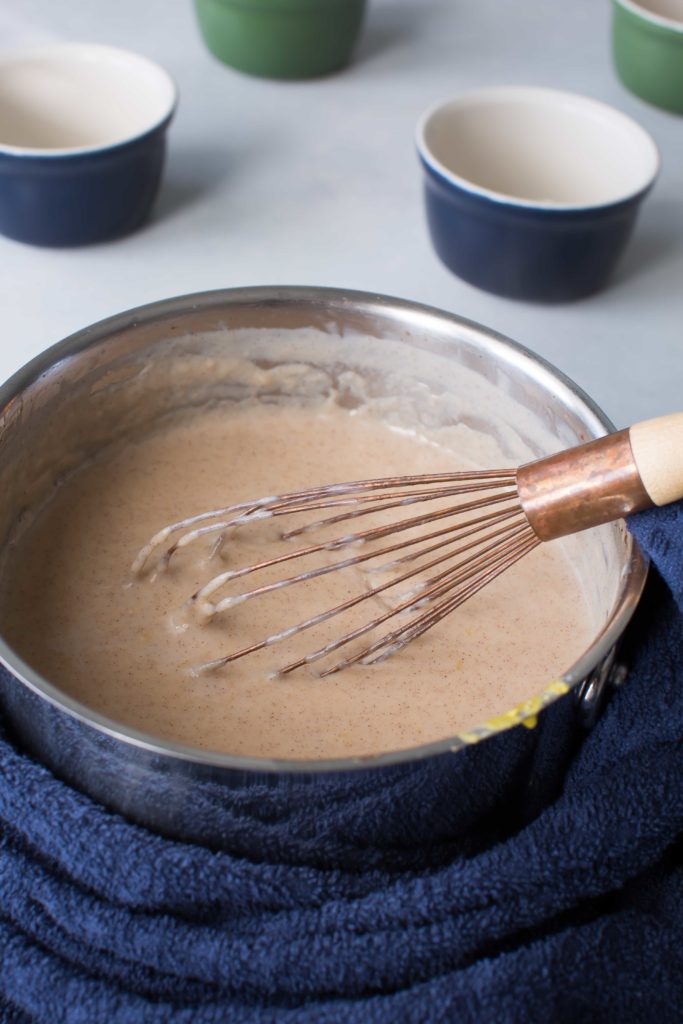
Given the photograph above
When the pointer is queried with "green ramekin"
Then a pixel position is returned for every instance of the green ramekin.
(648, 53)
(281, 38)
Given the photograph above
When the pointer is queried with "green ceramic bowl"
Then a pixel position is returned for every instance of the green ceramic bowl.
(281, 38)
(647, 38)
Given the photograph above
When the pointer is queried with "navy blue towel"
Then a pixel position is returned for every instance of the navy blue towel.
(577, 916)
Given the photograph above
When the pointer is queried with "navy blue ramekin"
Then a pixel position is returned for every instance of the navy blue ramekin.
(533, 193)
(82, 142)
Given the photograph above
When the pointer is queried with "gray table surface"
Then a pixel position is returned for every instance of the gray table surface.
(317, 183)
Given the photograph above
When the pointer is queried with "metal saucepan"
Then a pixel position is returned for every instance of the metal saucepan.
(117, 376)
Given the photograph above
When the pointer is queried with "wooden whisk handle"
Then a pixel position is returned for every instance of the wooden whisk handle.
(604, 480)
(657, 447)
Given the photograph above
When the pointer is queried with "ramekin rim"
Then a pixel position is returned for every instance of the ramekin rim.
(655, 19)
(66, 152)
(503, 199)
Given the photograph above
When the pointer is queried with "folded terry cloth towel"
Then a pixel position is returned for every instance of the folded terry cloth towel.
(576, 915)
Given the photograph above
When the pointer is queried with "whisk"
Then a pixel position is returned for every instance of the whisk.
(482, 524)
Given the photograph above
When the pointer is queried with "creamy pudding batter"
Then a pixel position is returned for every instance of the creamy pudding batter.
(127, 647)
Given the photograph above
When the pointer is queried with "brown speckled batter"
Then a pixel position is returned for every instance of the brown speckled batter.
(125, 649)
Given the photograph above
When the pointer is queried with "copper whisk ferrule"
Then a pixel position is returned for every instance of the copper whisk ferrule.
(583, 487)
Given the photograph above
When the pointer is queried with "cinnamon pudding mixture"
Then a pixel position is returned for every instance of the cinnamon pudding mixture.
(126, 647)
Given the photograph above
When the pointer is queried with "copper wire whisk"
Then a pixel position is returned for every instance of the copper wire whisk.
(437, 557)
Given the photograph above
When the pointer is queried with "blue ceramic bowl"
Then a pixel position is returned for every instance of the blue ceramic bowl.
(82, 142)
(533, 193)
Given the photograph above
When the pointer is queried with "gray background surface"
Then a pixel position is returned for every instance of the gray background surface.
(318, 183)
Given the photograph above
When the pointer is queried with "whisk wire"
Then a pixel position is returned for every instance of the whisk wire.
(484, 535)
(401, 637)
(369, 508)
(230, 575)
(434, 588)
(453, 575)
(361, 537)
(282, 504)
